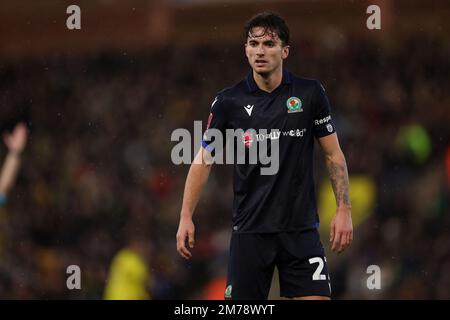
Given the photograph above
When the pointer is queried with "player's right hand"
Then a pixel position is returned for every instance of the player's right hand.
(185, 232)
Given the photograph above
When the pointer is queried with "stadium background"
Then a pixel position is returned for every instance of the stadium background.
(97, 187)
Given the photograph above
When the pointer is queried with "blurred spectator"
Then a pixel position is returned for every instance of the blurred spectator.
(15, 142)
(130, 275)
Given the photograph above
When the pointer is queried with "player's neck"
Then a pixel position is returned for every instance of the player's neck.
(269, 82)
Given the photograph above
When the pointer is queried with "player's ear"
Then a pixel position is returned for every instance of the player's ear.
(245, 48)
(285, 52)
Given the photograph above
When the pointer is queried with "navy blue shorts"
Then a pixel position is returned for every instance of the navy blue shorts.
(299, 257)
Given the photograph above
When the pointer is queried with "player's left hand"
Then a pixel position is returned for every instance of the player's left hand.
(341, 235)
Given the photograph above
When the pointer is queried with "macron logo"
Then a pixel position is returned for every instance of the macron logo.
(249, 109)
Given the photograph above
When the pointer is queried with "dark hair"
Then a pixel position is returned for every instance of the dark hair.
(271, 22)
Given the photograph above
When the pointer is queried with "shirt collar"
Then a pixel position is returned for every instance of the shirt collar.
(252, 86)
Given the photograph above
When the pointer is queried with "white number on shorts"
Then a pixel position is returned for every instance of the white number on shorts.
(317, 274)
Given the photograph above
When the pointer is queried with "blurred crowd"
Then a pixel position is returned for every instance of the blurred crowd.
(97, 177)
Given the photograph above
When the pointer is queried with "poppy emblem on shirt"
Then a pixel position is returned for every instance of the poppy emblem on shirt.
(247, 139)
(294, 104)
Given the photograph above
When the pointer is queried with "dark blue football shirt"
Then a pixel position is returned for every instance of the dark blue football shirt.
(299, 109)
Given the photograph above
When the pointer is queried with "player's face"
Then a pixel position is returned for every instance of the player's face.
(265, 51)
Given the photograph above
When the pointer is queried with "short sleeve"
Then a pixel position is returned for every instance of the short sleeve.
(322, 121)
(216, 120)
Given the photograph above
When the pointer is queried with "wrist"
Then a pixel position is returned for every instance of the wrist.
(186, 214)
(14, 153)
(344, 208)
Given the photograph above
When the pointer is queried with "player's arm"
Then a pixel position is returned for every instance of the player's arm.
(195, 182)
(15, 143)
(198, 176)
(341, 234)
